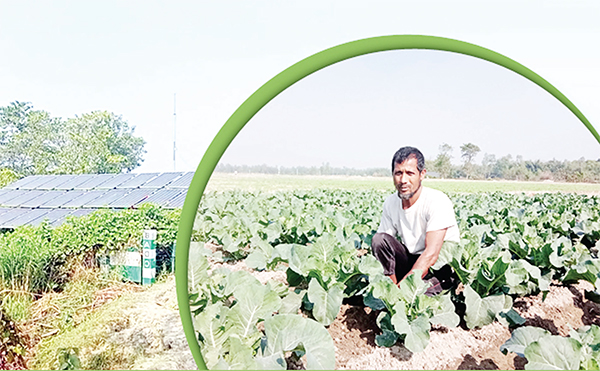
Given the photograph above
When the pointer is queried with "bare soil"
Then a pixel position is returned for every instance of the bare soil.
(354, 332)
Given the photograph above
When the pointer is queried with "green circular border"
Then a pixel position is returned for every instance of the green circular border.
(281, 82)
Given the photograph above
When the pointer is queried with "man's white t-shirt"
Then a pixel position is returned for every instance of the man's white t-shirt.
(432, 211)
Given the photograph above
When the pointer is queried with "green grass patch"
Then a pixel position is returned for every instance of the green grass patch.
(86, 341)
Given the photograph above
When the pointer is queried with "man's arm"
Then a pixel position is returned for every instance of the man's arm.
(433, 245)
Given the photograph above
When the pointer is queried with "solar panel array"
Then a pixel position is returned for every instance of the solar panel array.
(36, 198)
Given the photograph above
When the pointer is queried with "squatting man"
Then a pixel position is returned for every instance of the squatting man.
(416, 223)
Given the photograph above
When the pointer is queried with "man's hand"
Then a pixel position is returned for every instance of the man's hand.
(433, 245)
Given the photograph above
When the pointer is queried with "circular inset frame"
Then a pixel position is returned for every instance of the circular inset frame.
(281, 82)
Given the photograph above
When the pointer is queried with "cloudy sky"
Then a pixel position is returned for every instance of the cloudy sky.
(70, 58)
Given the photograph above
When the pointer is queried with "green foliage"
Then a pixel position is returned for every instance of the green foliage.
(7, 176)
(543, 351)
(36, 259)
(228, 307)
(99, 142)
(511, 245)
(33, 142)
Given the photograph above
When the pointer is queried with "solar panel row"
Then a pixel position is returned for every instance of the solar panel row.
(115, 198)
(54, 197)
(104, 181)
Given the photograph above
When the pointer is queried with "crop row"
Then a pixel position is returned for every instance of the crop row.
(511, 245)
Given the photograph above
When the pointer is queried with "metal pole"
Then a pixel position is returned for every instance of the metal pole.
(174, 130)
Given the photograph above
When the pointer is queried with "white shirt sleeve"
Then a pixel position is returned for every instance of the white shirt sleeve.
(441, 215)
(386, 225)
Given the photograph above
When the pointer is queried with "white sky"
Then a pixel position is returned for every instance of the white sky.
(70, 58)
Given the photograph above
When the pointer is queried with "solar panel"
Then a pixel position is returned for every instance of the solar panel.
(162, 180)
(60, 200)
(138, 180)
(95, 181)
(56, 181)
(116, 181)
(53, 216)
(81, 212)
(10, 194)
(38, 201)
(55, 197)
(23, 198)
(10, 215)
(75, 182)
(21, 182)
(5, 209)
(182, 182)
(178, 200)
(84, 198)
(162, 196)
(132, 198)
(6, 192)
(106, 198)
(25, 218)
(38, 181)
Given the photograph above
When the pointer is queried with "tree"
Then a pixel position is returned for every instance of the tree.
(99, 142)
(442, 163)
(29, 139)
(469, 151)
(33, 142)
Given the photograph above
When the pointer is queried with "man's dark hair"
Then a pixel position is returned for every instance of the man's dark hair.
(405, 153)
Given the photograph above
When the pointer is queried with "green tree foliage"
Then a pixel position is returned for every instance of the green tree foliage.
(99, 142)
(443, 162)
(29, 139)
(33, 142)
(468, 153)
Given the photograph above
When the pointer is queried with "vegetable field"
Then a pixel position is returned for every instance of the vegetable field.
(513, 246)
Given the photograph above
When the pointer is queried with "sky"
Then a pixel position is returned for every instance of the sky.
(132, 58)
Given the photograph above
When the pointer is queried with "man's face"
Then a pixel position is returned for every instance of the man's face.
(407, 178)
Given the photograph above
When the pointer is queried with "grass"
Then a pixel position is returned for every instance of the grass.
(268, 182)
(88, 341)
(60, 315)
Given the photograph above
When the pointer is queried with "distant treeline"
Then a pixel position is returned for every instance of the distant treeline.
(586, 171)
(324, 169)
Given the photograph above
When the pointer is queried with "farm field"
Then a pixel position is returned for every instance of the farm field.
(268, 182)
(527, 272)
